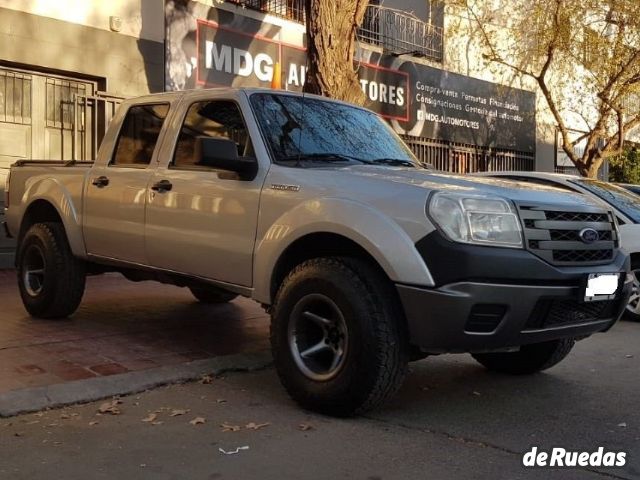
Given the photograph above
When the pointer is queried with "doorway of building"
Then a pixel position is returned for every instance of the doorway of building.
(40, 118)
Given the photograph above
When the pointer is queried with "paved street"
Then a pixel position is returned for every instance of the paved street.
(452, 419)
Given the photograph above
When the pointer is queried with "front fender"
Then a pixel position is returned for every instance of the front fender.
(378, 234)
(65, 200)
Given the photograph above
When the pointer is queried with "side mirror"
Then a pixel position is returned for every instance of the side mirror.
(222, 154)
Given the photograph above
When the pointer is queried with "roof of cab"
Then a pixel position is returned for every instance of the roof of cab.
(176, 95)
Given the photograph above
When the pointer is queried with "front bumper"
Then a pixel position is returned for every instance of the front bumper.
(470, 316)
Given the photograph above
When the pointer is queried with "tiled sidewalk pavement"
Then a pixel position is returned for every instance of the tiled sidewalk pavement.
(120, 327)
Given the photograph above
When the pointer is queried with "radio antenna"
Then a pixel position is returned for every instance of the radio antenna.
(304, 83)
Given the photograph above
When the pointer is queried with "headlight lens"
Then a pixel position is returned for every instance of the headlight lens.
(476, 219)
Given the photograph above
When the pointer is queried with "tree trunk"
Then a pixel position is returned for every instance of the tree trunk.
(331, 41)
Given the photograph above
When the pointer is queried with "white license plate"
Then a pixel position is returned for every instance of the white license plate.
(601, 286)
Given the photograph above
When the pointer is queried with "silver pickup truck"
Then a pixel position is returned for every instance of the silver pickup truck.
(316, 209)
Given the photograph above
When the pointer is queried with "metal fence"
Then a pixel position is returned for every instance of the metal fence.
(401, 32)
(463, 158)
(396, 31)
(91, 115)
(290, 9)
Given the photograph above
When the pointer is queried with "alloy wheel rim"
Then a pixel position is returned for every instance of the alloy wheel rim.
(318, 337)
(33, 268)
(633, 306)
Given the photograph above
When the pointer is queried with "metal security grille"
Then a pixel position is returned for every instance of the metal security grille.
(463, 158)
(290, 9)
(60, 102)
(15, 97)
(401, 32)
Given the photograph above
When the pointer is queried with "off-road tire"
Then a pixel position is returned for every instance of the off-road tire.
(212, 295)
(375, 364)
(529, 359)
(63, 277)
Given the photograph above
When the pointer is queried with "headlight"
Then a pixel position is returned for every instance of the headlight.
(476, 219)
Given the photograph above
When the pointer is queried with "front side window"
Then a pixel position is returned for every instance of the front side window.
(319, 131)
(218, 119)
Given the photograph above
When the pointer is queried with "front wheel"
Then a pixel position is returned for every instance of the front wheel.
(339, 341)
(529, 359)
(50, 278)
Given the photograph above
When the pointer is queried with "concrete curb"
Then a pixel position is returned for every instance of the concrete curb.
(82, 391)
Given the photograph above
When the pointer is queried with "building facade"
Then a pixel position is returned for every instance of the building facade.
(65, 65)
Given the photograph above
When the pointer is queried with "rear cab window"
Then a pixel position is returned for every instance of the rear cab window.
(138, 135)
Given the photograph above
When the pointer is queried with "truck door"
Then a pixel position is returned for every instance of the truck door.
(116, 192)
(202, 221)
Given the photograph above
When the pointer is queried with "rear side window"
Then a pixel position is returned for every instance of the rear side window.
(139, 135)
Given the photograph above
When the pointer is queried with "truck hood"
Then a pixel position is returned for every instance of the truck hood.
(434, 180)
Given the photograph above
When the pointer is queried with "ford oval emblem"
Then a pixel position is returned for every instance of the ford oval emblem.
(589, 235)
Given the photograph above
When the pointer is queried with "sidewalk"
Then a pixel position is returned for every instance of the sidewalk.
(120, 327)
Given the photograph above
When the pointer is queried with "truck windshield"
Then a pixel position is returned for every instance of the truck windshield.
(310, 130)
(624, 200)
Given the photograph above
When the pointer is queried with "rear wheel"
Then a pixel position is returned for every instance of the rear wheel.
(632, 312)
(339, 340)
(50, 278)
(529, 359)
(212, 295)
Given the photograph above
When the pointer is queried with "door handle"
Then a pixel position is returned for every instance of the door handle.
(162, 186)
(100, 182)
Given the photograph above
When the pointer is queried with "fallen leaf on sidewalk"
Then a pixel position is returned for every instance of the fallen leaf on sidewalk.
(233, 452)
(206, 379)
(256, 426)
(177, 412)
(94, 422)
(221, 400)
(230, 428)
(65, 416)
(305, 427)
(159, 422)
(110, 407)
(197, 421)
(150, 418)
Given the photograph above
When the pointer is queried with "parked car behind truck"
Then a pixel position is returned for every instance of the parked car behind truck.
(317, 210)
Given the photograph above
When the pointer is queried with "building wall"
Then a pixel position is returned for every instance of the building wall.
(125, 64)
(73, 39)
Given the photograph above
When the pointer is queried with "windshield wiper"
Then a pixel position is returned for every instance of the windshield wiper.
(395, 162)
(323, 157)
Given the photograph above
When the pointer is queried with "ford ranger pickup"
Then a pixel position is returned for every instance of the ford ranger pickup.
(364, 259)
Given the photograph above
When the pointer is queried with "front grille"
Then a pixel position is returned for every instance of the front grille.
(554, 235)
(573, 235)
(582, 255)
(565, 312)
(576, 216)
